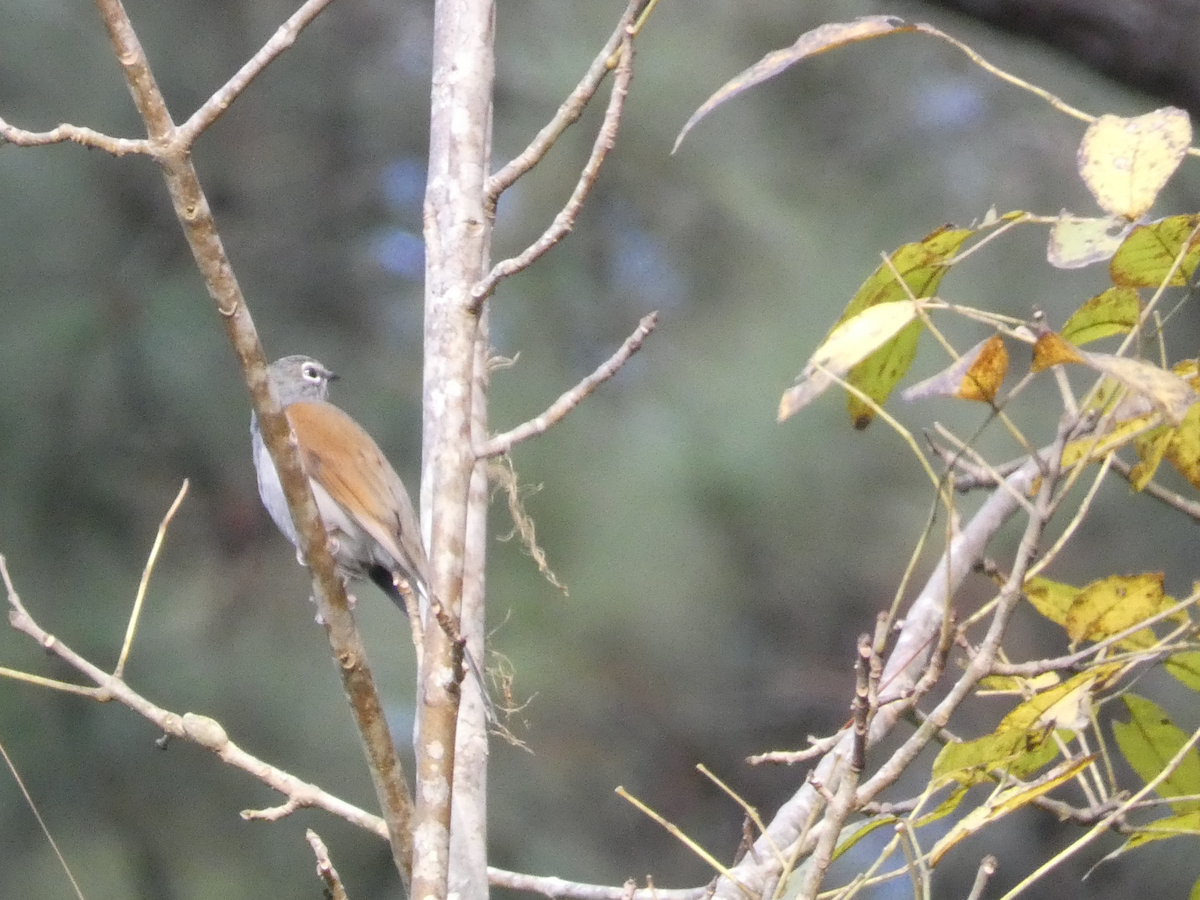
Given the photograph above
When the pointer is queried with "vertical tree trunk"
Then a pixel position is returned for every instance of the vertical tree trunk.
(457, 237)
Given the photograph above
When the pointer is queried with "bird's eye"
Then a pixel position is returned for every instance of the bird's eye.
(311, 372)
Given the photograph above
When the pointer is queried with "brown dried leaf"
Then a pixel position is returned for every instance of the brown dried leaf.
(826, 37)
(1166, 391)
(1052, 350)
(976, 375)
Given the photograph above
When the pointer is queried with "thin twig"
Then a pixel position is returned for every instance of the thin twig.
(281, 40)
(131, 630)
(1050, 98)
(1174, 500)
(861, 707)
(918, 872)
(684, 839)
(198, 729)
(502, 443)
(750, 811)
(966, 450)
(836, 813)
(84, 136)
(568, 113)
(606, 137)
(817, 747)
(1061, 663)
(185, 135)
(334, 889)
(92, 693)
(62, 861)
(987, 868)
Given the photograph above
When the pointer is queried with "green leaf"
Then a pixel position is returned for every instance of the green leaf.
(921, 266)
(1063, 706)
(879, 373)
(1112, 604)
(1185, 667)
(1146, 256)
(1116, 311)
(1011, 750)
(1148, 741)
(1052, 599)
(856, 831)
(850, 342)
(1179, 825)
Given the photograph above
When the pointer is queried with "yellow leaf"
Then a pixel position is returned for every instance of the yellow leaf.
(998, 685)
(1005, 801)
(1063, 706)
(1185, 667)
(1097, 446)
(847, 345)
(1126, 162)
(1183, 451)
(1051, 598)
(1004, 750)
(1166, 391)
(1150, 447)
(1147, 256)
(1113, 604)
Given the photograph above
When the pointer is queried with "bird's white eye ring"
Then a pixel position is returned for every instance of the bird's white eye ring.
(311, 372)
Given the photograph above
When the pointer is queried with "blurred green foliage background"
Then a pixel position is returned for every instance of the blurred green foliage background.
(719, 565)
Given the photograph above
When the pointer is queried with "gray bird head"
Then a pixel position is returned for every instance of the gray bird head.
(299, 378)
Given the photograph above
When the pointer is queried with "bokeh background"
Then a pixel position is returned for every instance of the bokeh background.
(719, 565)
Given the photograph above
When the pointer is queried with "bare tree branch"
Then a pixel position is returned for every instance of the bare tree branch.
(197, 729)
(84, 136)
(195, 216)
(554, 888)
(916, 643)
(284, 37)
(223, 98)
(606, 137)
(1189, 508)
(568, 113)
(502, 443)
(334, 889)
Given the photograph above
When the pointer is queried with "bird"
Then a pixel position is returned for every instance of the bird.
(368, 516)
(372, 527)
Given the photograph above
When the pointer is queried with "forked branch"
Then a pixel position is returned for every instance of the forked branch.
(570, 110)
(606, 137)
(185, 135)
(197, 729)
(169, 146)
